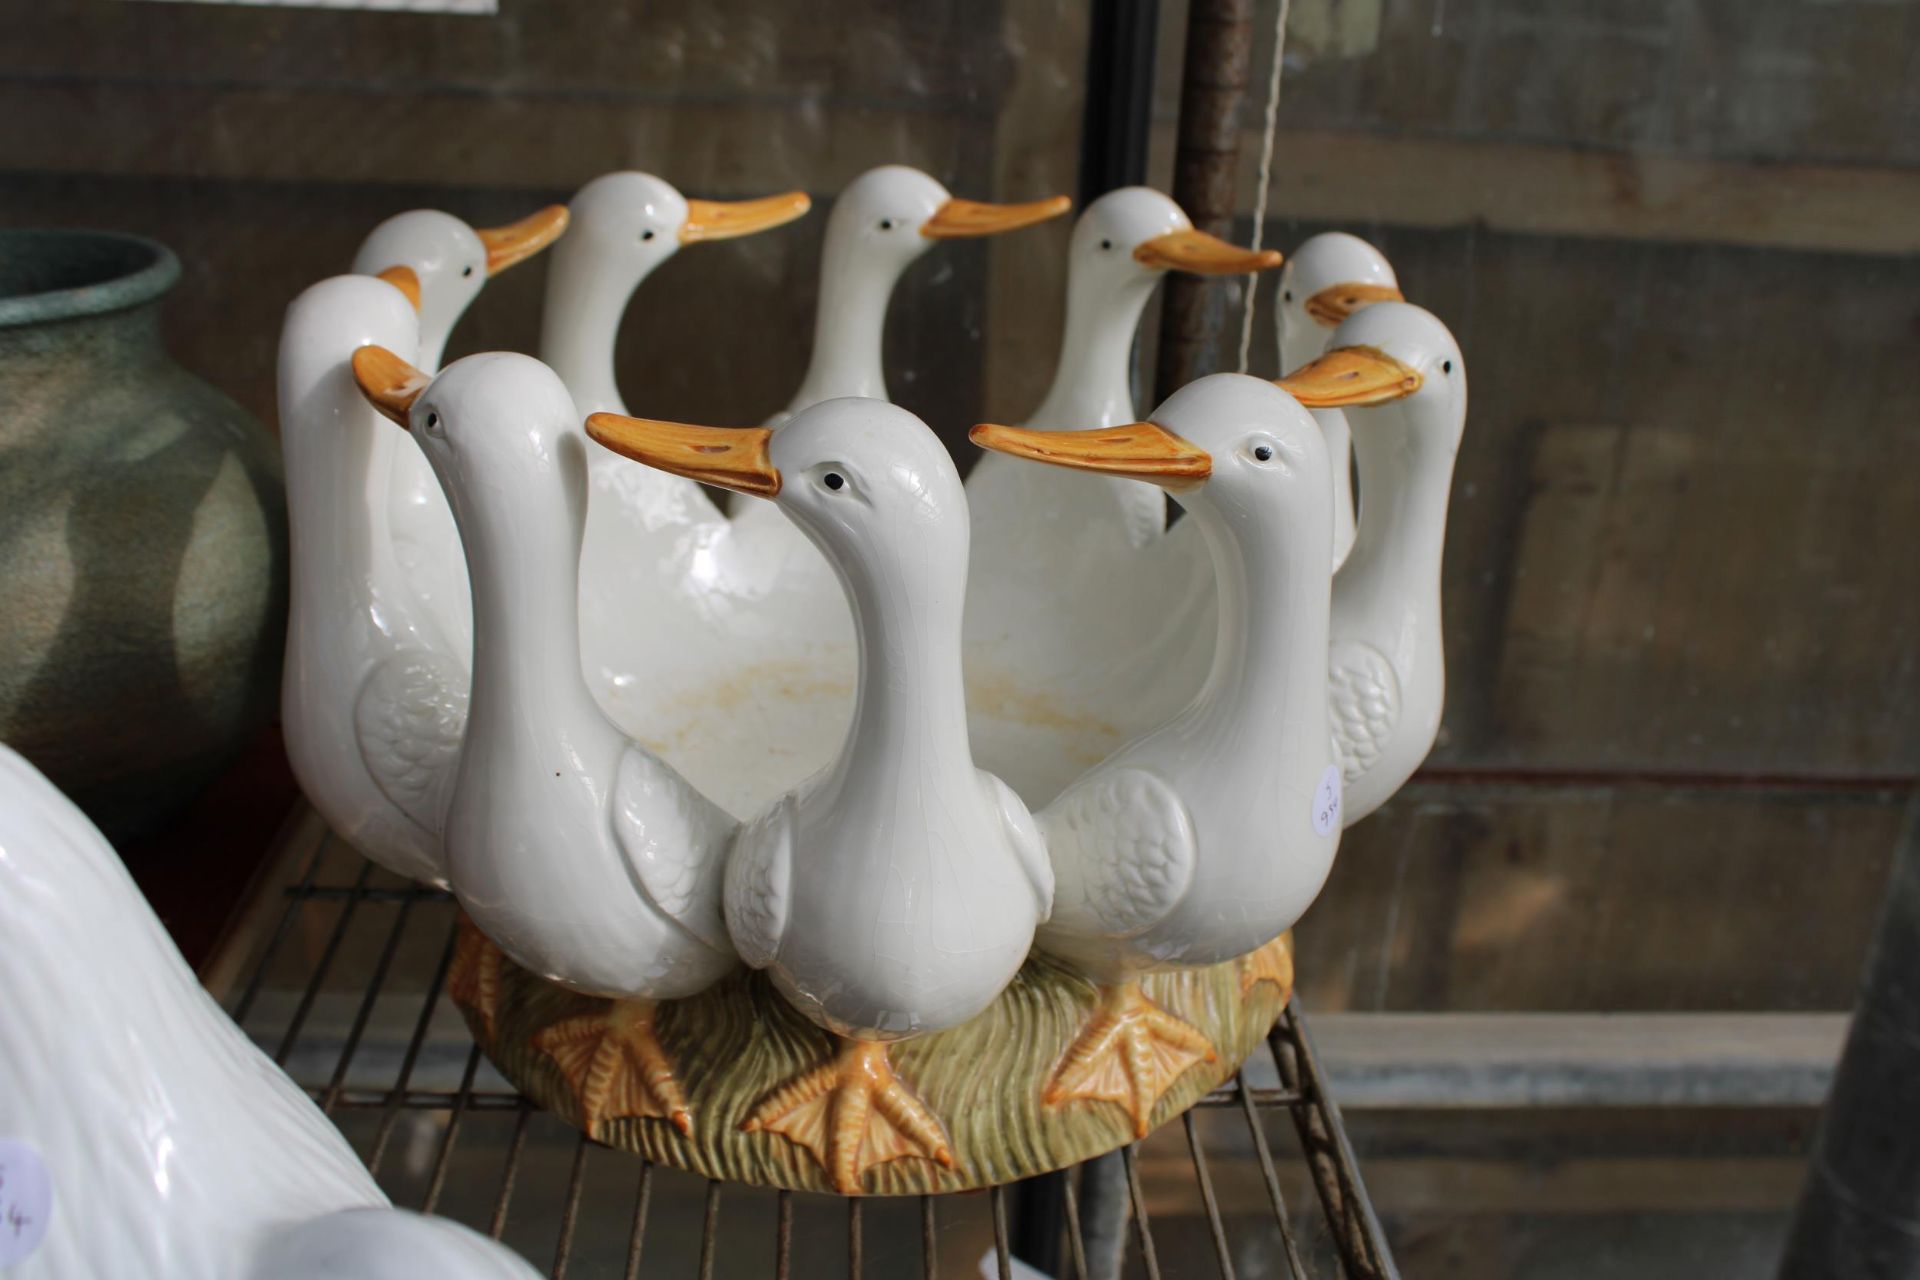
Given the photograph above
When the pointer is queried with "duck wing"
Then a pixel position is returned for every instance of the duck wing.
(409, 720)
(1023, 833)
(1123, 852)
(760, 881)
(675, 841)
(1363, 701)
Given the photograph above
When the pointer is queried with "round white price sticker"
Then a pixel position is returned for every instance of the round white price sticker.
(1326, 802)
(26, 1201)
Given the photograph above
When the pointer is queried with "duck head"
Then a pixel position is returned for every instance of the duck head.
(441, 263)
(1330, 277)
(501, 433)
(1137, 234)
(1399, 361)
(867, 481)
(1124, 242)
(881, 223)
(887, 217)
(1234, 450)
(626, 224)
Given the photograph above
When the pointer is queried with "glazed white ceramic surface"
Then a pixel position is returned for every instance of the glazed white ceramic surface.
(1077, 605)
(1387, 666)
(450, 261)
(685, 611)
(173, 1146)
(1323, 262)
(669, 598)
(374, 692)
(896, 893)
(1208, 836)
(576, 850)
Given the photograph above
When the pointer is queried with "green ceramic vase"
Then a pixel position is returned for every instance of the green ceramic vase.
(143, 546)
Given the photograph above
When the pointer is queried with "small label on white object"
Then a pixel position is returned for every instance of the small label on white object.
(26, 1201)
(1326, 802)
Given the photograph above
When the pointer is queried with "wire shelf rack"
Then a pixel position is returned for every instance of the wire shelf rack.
(340, 977)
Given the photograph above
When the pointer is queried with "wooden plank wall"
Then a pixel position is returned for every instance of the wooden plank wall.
(263, 143)
(1677, 239)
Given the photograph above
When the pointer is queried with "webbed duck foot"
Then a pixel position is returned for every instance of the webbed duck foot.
(473, 978)
(1271, 963)
(1130, 1053)
(616, 1066)
(852, 1113)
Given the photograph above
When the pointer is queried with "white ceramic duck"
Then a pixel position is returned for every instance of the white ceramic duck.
(1122, 245)
(624, 226)
(1398, 373)
(1207, 837)
(576, 851)
(141, 1132)
(1093, 649)
(881, 224)
(450, 262)
(441, 263)
(895, 893)
(374, 693)
(1329, 277)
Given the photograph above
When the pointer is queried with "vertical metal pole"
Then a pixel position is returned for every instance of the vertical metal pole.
(1205, 175)
(1859, 1212)
(1121, 40)
(1121, 35)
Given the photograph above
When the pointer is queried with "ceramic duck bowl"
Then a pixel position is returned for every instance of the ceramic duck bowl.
(892, 899)
(777, 887)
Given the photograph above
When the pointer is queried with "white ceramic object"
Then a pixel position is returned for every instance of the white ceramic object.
(374, 692)
(171, 1145)
(895, 893)
(1204, 838)
(1328, 278)
(578, 852)
(687, 611)
(1097, 655)
(1208, 836)
(442, 264)
(1122, 245)
(1404, 384)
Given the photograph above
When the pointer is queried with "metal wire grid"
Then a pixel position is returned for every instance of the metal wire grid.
(1358, 1251)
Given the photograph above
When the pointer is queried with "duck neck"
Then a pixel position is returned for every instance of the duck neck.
(340, 461)
(849, 327)
(910, 713)
(1270, 649)
(1093, 382)
(433, 345)
(525, 572)
(580, 324)
(1391, 580)
(1301, 340)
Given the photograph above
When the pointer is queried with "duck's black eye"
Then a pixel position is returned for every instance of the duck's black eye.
(1263, 452)
(1446, 366)
(433, 422)
(1287, 296)
(647, 234)
(833, 480)
(886, 224)
(466, 271)
(1106, 244)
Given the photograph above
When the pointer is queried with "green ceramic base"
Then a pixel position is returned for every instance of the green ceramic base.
(735, 1044)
